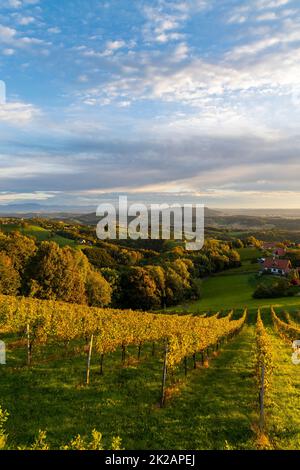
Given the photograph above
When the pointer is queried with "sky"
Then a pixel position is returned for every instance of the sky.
(198, 99)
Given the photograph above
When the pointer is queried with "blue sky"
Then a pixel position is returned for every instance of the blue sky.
(191, 98)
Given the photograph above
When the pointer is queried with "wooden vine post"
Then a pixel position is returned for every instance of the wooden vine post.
(123, 356)
(29, 348)
(88, 369)
(101, 364)
(164, 375)
(139, 351)
(194, 361)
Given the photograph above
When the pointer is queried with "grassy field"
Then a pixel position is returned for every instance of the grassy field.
(249, 253)
(233, 291)
(39, 233)
(284, 421)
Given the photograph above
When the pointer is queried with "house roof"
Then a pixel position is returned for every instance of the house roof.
(280, 251)
(284, 264)
(269, 245)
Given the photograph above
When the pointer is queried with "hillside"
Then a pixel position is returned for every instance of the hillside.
(218, 394)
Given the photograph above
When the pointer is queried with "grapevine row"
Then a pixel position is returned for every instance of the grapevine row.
(109, 329)
(263, 365)
(288, 331)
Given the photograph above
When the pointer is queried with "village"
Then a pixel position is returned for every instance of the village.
(276, 259)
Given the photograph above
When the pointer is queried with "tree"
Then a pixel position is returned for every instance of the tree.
(113, 277)
(99, 257)
(252, 241)
(175, 286)
(19, 248)
(98, 290)
(139, 290)
(237, 243)
(278, 288)
(234, 258)
(9, 277)
(58, 274)
(158, 275)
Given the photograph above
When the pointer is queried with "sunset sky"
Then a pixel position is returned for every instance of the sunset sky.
(197, 98)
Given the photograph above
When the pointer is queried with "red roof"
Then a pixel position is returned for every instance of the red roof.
(269, 245)
(283, 264)
(280, 251)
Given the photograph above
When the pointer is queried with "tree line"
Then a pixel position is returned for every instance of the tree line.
(152, 276)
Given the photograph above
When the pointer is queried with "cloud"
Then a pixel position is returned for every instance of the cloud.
(165, 20)
(265, 4)
(282, 38)
(201, 83)
(10, 36)
(14, 3)
(26, 20)
(18, 114)
(194, 164)
(9, 197)
(54, 30)
(8, 52)
(17, 4)
(195, 103)
(243, 13)
(271, 16)
(237, 18)
(7, 34)
(110, 48)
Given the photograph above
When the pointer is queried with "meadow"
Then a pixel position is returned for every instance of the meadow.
(39, 233)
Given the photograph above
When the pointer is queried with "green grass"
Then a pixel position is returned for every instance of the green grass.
(215, 409)
(283, 423)
(234, 291)
(249, 253)
(39, 233)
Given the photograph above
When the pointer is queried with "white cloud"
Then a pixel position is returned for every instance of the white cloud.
(14, 3)
(110, 48)
(19, 3)
(114, 45)
(237, 18)
(9, 36)
(181, 52)
(270, 16)
(163, 22)
(8, 51)
(8, 197)
(26, 20)
(281, 38)
(54, 30)
(264, 4)
(241, 14)
(18, 113)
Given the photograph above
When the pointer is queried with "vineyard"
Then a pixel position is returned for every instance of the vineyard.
(218, 379)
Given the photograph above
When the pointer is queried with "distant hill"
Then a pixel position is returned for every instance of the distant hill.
(92, 219)
(283, 213)
(255, 220)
